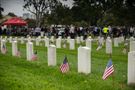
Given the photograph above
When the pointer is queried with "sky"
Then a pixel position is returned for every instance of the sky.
(16, 6)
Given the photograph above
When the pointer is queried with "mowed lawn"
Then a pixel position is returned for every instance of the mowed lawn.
(20, 74)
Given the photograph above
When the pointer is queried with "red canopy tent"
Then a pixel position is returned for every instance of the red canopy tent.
(15, 21)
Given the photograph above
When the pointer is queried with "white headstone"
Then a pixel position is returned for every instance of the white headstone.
(132, 46)
(0, 38)
(64, 42)
(121, 39)
(37, 41)
(42, 34)
(78, 40)
(68, 39)
(108, 46)
(82, 39)
(10, 39)
(3, 44)
(116, 42)
(88, 43)
(52, 38)
(5, 38)
(132, 39)
(58, 43)
(101, 40)
(29, 39)
(84, 60)
(22, 40)
(15, 39)
(14, 48)
(29, 52)
(100, 43)
(46, 42)
(98, 39)
(131, 68)
(52, 55)
(60, 37)
(72, 44)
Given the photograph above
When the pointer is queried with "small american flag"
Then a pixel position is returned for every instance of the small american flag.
(18, 54)
(34, 56)
(109, 70)
(64, 66)
(4, 50)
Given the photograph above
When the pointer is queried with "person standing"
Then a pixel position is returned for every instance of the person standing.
(105, 30)
(72, 32)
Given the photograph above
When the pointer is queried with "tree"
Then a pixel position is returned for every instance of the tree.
(88, 11)
(31, 22)
(39, 8)
(1, 10)
(120, 12)
(11, 14)
(61, 15)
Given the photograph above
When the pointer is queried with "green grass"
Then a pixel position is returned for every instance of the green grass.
(20, 74)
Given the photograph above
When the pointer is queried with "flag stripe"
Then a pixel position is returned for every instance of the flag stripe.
(108, 70)
(64, 66)
(111, 69)
(109, 73)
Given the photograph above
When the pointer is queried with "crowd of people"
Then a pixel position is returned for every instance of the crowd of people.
(71, 31)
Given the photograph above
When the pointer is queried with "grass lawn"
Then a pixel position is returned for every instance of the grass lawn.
(20, 74)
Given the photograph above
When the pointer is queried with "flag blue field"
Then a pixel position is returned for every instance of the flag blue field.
(109, 70)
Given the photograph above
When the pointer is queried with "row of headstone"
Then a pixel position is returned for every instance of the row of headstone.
(84, 56)
(72, 42)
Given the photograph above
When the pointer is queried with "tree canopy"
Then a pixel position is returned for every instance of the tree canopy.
(90, 12)
(120, 12)
(39, 8)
